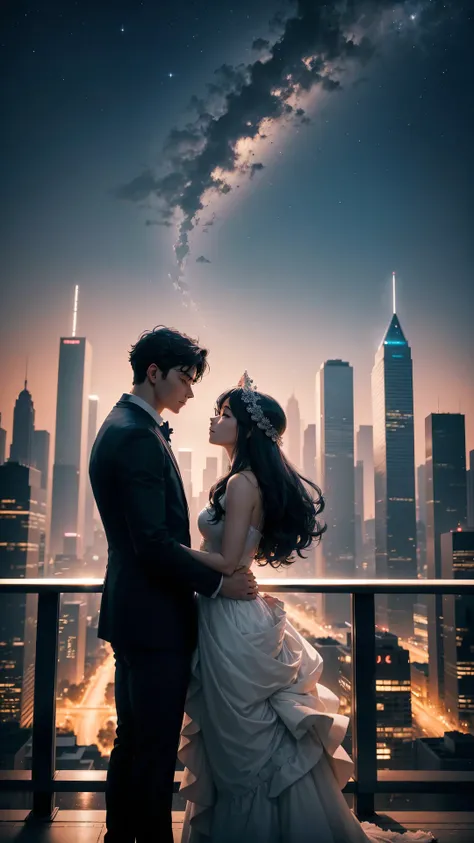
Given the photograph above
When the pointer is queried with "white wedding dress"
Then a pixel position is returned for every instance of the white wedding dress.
(261, 738)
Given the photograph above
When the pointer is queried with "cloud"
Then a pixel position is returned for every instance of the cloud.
(255, 169)
(312, 48)
(166, 223)
(202, 259)
(260, 44)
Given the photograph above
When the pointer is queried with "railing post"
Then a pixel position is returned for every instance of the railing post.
(44, 711)
(364, 708)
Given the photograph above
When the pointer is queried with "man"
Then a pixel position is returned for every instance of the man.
(148, 609)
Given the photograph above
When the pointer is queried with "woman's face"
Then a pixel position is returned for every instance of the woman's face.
(223, 427)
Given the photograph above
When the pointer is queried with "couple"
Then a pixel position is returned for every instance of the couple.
(261, 738)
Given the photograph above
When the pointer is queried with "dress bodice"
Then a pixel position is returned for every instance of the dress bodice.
(213, 535)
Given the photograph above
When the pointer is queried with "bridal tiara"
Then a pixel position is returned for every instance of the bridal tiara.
(256, 413)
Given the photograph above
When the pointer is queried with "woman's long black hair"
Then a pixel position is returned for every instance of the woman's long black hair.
(290, 512)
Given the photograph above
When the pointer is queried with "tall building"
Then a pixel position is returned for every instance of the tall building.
(293, 432)
(421, 519)
(72, 639)
(40, 455)
(446, 507)
(22, 521)
(23, 426)
(335, 555)
(309, 453)
(457, 562)
(359, 516)
(185, 462)
(393, 699)
(90, 503)
(209, 477)
(394, 465)
(421, 493)
(3, 442)
(470, 490)
(365, 454)
(70, 476)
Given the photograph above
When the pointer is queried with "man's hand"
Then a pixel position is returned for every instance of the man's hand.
(240, 586)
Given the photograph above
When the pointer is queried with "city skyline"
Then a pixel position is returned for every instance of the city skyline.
(288, 268)
(187, 438)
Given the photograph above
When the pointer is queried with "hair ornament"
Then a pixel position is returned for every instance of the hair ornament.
(250, 399)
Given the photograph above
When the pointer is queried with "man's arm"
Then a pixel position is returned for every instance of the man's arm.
(141, 485)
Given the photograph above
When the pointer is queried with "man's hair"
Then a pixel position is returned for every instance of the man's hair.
(169, 349)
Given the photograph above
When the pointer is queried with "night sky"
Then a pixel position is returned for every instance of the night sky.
(249, 172)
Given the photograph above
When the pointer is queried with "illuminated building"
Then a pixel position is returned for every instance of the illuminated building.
(446, 507)
(22, 521)
(394, 465)
(393, 699)
(457, 562)
(72, 639)
(335, 555)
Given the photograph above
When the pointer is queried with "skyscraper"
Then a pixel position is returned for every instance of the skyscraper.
(40, 455)
(72, 639)
(446, 507)
(394, 464)
(185, 462)
(359, 516)
(23, 426)
(22, 520)
(309, 452)
(421, 493)
(335, 471)
(457, 562)
(470, 490)
(365, 454)
(293, 432)
(393, 699)
(70, 456)
(3, 442)
(89, 505)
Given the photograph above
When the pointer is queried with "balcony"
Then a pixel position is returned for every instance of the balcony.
(44, 822)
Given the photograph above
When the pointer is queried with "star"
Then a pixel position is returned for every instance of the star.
(122, 29)
(170, 75)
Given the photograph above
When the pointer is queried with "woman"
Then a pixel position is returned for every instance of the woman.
(261, 739)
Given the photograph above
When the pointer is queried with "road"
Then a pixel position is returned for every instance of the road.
(91, 713)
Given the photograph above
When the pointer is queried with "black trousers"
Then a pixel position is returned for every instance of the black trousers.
(150, 692)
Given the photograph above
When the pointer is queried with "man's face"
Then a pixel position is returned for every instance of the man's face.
(174, 391)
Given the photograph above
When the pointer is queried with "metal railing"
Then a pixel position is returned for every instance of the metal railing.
(44, 780)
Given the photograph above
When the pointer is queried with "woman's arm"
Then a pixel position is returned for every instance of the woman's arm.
(241, 497)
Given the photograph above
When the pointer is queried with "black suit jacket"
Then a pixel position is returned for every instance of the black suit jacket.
(150, 582)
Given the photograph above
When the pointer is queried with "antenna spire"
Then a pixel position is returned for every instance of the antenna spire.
(74, 312)
(394, 292)
(26, 373)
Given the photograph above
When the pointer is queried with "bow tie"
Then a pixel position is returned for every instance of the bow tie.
(166, 430)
